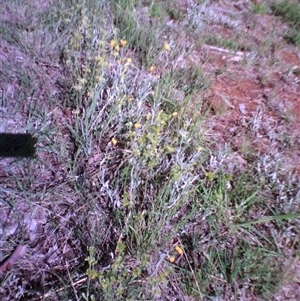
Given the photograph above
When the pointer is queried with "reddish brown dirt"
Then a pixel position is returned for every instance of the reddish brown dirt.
(241, 91)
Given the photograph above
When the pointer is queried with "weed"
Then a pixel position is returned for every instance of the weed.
(137, 29)
(293, 37)
(259, 8)
(290, 12)
(224, 43)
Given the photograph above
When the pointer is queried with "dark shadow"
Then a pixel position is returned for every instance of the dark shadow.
(17, 145)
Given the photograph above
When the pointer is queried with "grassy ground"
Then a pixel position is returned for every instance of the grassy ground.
(135, 193)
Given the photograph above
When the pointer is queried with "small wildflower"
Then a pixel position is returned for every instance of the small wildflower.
(151, 69)
(179, 250)
(112, 43)
(170, 149)
(117, 48)
(129, 60)
(99, 60)
(82, 81)
(172, 259)
(99, 78)
(166, 47)
(78, 87)
(210, 175)
(199, 149)
(123, 42)
(91, 273)
(174, 114)
(75, 112)
(137, 125)
(88, 71)
(114, 141)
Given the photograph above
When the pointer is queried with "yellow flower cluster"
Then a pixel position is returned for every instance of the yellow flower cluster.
(179, 251)
(114, 44)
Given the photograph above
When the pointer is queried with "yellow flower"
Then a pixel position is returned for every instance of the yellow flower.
(151, 69)
(114, 141)
(199, 149)
(123, 42)
(99, 78)
(170, 149)
(129, 60)
(137, 125)
(179, 250)
(210, 175)
(117, 48)
(166, 47)
(99, 59)
(78, 87)
(172, 259)
(174, 114)
(112, 43)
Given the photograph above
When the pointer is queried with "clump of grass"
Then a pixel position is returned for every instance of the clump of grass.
(157, 10)
(136, 27)
(293, 37)
(174, 10)
(290, 12)
(152, 170)
(213, 39)
(259, 8)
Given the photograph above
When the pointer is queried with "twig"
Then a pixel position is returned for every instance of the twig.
(13, 258)
(214, 48)
(61, 289)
